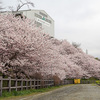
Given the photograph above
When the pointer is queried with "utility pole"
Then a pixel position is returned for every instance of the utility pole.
(86, 51)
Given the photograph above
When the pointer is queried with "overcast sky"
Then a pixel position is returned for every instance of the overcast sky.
(75, 20)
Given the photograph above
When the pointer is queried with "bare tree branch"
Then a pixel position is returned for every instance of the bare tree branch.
(23, 4)
(21, 1)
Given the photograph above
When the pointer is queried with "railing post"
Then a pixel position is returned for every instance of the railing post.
(16, 84)
(30, 83)
(22, 84)
(26, 84)
(1, 82)
(9, 84)
(34, 83)
(43, 83)
(52, 82)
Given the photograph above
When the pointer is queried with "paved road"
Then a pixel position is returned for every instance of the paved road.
(75, 92)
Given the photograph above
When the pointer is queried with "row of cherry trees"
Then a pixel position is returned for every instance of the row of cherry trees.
(25, 51)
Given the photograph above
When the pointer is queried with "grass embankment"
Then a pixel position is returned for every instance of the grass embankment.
(18, 94)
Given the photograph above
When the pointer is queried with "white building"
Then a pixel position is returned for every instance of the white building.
(42, 19)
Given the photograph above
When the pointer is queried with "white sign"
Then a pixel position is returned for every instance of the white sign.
(43, 22)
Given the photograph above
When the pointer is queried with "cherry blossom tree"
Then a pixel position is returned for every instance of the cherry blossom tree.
(25, 51)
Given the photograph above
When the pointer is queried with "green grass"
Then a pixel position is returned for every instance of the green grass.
(6, 94)
(98, 82)
(92, 78)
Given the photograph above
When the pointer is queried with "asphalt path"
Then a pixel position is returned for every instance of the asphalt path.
(74, 92)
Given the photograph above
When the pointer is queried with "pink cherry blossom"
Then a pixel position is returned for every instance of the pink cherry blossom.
(25, 50)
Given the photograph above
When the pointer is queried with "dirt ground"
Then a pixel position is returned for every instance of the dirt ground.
(74, 92)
